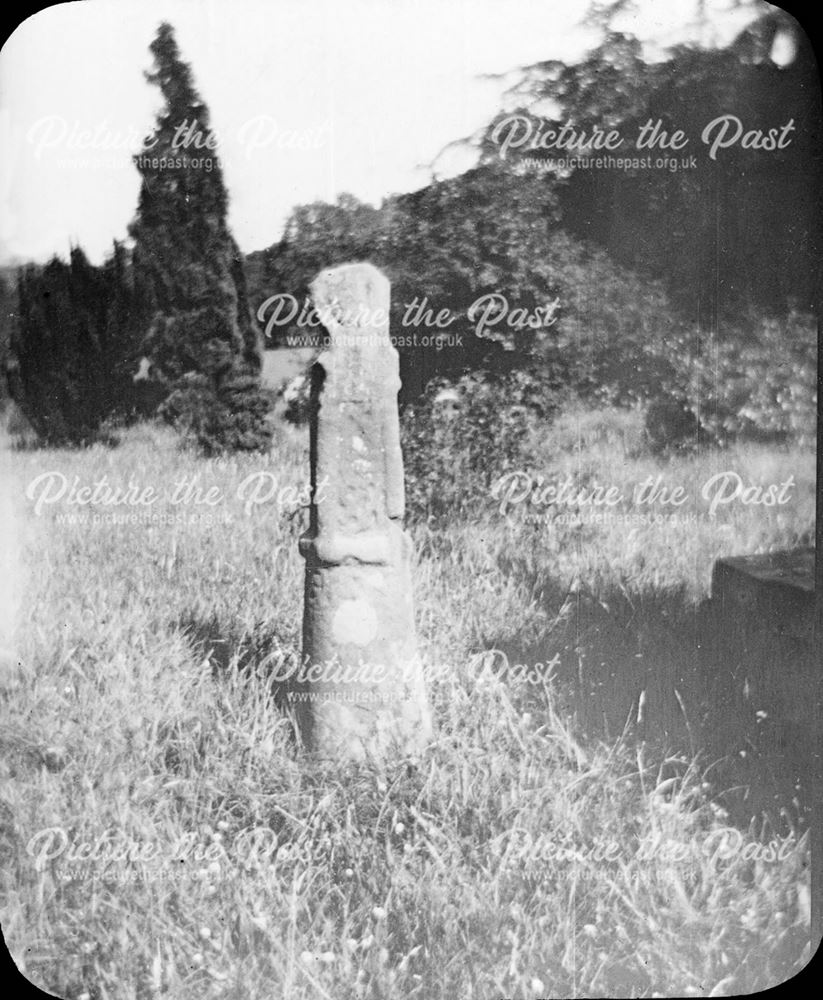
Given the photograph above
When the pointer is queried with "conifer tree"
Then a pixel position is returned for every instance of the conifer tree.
(201, 337)
(72, 347)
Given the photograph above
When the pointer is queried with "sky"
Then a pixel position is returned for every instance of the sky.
(308, 98)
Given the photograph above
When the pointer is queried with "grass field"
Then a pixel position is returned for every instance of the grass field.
(567, 838)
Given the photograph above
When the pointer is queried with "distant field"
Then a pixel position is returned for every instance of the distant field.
(532, 851)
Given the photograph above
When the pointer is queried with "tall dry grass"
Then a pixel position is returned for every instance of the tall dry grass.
(531, 851)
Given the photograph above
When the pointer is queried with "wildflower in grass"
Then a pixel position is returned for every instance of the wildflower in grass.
(537, 985)
(379, 913)
(197, 958)
(307, 958)
(205, 933)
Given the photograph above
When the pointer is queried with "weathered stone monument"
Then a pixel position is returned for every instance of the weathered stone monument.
(363, 682)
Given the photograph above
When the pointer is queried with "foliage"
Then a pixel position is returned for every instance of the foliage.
(449, 245)
(756, 382)
(461, 436)
(190, 270)
(651, 269)
(614, 339)
(73, 347)
(714, 232)
(765, 386)
(485, 244)
(233, 418)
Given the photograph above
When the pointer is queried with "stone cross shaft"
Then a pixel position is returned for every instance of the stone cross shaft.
(363, 682)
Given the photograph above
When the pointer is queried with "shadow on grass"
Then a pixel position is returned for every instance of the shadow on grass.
(260, 651)
(674, 676)
(652, 665)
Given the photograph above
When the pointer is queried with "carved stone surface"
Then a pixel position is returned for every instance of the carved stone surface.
(364, 684)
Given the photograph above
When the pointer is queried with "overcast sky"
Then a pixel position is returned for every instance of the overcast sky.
(309, 98)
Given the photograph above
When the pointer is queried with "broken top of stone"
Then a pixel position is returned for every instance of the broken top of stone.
(352, 301)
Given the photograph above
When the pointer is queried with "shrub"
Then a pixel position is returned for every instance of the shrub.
(755, 382)
(461, 436)
(224, 416)
(72, 347)
(669, 424)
